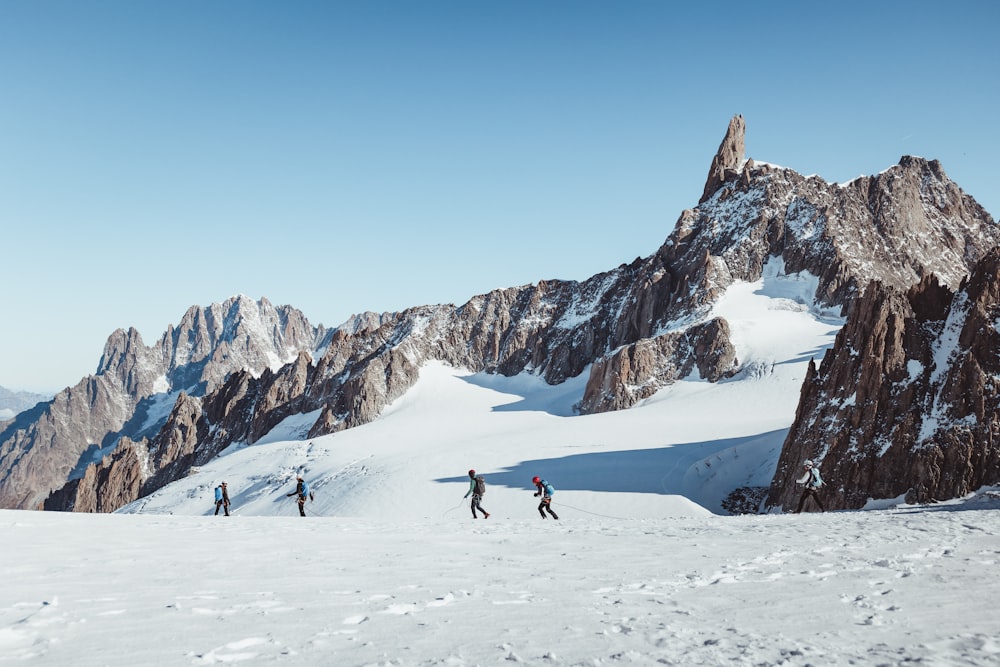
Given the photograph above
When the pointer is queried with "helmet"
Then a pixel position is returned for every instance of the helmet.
(536, 479)
(472, 473)
(808, 463)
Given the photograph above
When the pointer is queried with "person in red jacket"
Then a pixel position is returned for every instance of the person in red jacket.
(546, 491)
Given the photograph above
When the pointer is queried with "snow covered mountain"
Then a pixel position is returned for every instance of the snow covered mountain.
(624, 335)
(135, 386)
(389, 568)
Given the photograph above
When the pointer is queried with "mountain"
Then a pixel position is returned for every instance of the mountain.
(13, 402)
(629, 332)
(905, 404)
(135, 386)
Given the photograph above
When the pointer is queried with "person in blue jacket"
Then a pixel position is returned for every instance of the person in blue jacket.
(546, 491)
(302, 491)
(221, 499)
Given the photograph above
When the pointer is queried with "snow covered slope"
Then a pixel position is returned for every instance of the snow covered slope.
(913, 585)
(678, 453)
(391, 570)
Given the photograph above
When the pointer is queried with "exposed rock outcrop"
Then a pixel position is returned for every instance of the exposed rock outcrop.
(906, 402)
(727, 159)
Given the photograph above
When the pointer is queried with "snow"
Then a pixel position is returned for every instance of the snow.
(643, 566)
(910, 584)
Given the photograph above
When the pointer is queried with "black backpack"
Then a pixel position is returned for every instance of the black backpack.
(480, 485)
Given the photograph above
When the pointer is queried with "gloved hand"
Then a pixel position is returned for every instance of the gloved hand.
(537, 494)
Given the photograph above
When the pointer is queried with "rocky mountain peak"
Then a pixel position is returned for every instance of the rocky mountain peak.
(125, 397)
(633, 329)
(729, 157)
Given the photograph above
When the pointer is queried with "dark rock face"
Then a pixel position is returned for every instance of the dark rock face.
(638, 371)
(906, 402)
(635, 328)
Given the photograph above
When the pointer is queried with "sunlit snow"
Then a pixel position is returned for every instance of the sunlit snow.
(643, 567)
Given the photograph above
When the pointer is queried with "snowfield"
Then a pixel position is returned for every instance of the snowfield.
(643, 567)
(885, 587)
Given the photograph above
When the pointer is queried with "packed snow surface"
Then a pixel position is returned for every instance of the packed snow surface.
(642, 567)
(886, 587)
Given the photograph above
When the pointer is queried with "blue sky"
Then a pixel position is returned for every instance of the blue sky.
(351, 156)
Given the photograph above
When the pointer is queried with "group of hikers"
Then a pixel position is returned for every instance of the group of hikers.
(302, 493)
(811, 480)
(477, 487)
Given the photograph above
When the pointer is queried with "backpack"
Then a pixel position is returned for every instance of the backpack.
(815, 481)
(306, 492)
(480, 486)
(218, 493)
(549, 489)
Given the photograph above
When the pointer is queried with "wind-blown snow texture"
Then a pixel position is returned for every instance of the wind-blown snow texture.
(390, 568)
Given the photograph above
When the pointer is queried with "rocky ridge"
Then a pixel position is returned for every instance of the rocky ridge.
(634, 329)
(905, 405)
(53, 442)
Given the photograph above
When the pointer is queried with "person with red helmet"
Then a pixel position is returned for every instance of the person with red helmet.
(546, 491)
(477, 487)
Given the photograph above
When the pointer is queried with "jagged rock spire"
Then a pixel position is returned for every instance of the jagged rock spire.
(729, 157)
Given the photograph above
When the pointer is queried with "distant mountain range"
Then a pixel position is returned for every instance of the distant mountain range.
(230, 372)
(13, 402)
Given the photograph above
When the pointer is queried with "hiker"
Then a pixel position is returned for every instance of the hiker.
(546, 491)
(303, 492)
(812, 482)
(477, 487)
(221, 499)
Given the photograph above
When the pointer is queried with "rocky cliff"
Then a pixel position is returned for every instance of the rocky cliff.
(633, 329)
(906, 402)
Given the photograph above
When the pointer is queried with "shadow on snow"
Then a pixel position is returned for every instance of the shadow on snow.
(682, 469)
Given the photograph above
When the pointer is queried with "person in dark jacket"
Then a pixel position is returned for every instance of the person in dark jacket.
(477, 492)
(221, 499)
(546, 491)
(302, 491)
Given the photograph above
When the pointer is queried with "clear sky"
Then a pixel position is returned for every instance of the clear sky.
(350, 156)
